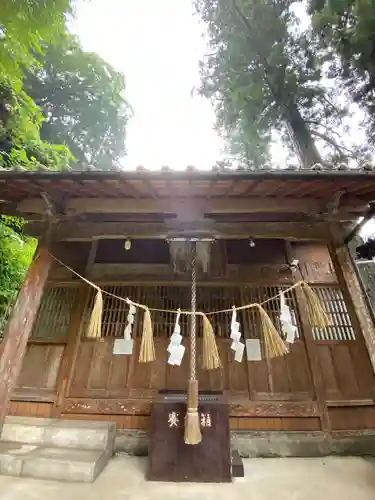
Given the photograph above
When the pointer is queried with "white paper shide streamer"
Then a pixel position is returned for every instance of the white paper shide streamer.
(176, 349)
(288, 326)
(125, 345)
(235, 334)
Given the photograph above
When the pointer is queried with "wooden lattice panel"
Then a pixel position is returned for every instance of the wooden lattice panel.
(55, 312)
(209, 298)
(340, 325)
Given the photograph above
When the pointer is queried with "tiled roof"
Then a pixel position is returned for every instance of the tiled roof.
(223, 168)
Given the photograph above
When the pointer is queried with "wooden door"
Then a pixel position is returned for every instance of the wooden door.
(344, 362)
(99, 373)
(38, 377)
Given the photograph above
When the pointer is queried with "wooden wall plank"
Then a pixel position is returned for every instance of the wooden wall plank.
(51, 366)
(236, 423)
(20, 325)
(28, 409)
(118, 377)
(307, 336)
(275, 424)
(345, 372)
(239, 406)
(314, 262)
(298, 369)
(80, 376)
(68, 363)
(352, 418)
(354, 296)
(158, 369)
(99, 364)
(327, 370)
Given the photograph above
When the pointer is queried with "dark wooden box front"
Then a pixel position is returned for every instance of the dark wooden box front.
(170, 459)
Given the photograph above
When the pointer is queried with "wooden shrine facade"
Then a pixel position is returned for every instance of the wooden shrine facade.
(263, 224)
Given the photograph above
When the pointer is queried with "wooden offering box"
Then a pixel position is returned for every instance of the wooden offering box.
(170, 459)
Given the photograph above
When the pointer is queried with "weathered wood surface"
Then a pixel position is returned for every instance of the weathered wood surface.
(163, 273)
(352, 418)
(84, 231)
(294, 252)
(30, 409)
(344, 421)
(170, 459)
(40, 367)
(20, 325)
(99, 373)
(355, 297)
(290, 392)
(238, 407)
(69, 358)
(314, 262)
(345, 370)
(255, 204)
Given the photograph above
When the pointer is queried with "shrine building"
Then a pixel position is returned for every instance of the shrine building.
(270, 230)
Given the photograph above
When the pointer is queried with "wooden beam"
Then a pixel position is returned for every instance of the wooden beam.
(177, 205)
(91, 257)
(68, 363)
(237, 407)
(83, 231)
(354, 295)
(19, 327)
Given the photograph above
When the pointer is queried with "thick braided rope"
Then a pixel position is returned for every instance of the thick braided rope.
(174, 311)
(193, 323)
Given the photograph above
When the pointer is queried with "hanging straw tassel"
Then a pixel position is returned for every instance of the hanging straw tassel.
(317, 315)
(147, 351)
(94, 329)
(274, 344)
(211, 358)
(193, 434)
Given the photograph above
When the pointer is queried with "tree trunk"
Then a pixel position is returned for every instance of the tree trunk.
(302, 139)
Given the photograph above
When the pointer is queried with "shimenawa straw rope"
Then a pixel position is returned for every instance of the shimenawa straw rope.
(193, 434)
(317, 315)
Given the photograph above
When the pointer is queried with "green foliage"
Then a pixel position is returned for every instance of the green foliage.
(24, 26)
(264, 74)
(82, 99)
(78, 108)
(59, 106)
(16, 253)
(20, 142)
(346, 29)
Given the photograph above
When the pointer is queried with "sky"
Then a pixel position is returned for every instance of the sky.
(157, 45)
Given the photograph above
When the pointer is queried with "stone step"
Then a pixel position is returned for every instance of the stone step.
(48, 432)
(43, 462)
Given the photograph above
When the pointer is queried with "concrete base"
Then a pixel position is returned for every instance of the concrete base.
(346, 478)
(63, 464)
(64, 450)
(271, 444)
(86, 434)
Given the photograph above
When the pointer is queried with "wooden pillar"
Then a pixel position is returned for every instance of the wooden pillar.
(68, 363)
(311, 348)
(353, 293)
(20, 325)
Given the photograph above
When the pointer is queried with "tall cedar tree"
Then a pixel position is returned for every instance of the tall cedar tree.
(346, 29)
(264, 73)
